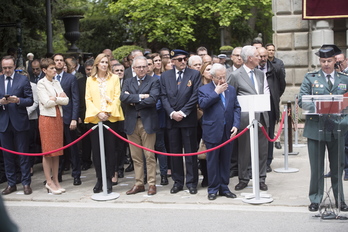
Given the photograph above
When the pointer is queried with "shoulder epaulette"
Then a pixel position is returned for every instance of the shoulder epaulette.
(342, 73)
(314, 71)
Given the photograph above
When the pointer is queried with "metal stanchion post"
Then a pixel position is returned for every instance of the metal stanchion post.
(286, 169)
(104, 196)
(296, 124)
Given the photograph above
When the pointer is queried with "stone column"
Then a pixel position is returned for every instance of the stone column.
(322, 34)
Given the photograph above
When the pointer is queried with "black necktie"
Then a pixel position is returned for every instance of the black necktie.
(179, 79)
(9, 86)
(329, 81)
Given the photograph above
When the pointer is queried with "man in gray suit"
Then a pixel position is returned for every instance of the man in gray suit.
(248, 80)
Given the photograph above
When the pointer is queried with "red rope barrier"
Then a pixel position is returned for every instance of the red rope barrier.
(49, 152)
(172, 154)
(279, 131)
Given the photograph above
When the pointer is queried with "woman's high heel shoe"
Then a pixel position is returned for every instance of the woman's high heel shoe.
(62, 190)
(49, 189)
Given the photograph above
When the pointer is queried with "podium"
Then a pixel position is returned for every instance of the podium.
(254, 104)
(329, 111)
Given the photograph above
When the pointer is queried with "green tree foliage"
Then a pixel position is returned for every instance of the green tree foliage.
(175, 22)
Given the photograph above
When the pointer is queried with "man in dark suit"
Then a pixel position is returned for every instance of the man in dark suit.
(276, 84)
(326, 81)
(15, 96)
(248, 80)
(37, 72)
(179, 95)
(220, 122)
(140, 94)
(70, 117)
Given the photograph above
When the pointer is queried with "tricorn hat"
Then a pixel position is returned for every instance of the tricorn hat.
(328, 50)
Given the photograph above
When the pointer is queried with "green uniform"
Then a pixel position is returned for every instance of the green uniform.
(321, 132)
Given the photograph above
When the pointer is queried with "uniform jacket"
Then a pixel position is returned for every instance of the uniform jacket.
(315, 83)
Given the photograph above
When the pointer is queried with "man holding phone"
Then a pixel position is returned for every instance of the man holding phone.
(15, 96)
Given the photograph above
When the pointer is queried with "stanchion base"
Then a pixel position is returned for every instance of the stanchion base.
(251, 195)
(299, 145)
(255, 201)
(107, 197)
(283, 170)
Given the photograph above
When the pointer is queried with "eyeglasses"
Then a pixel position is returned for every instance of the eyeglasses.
(181, 59)
(220, 78)
(140, 67)
(119, 70)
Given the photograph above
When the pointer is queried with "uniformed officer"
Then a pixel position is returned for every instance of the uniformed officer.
(326, 81)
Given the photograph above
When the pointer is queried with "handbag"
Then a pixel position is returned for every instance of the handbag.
(202, 147)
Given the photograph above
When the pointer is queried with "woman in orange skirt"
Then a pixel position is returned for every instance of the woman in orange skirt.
(51, 98)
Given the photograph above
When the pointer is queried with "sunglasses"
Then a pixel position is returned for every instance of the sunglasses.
(181, 59)
(118, 70)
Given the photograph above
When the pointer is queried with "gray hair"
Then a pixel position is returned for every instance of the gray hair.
(139, 58)
(193, 58)
(216, 67)
(236, 48)
(89, 62)
(247, 51)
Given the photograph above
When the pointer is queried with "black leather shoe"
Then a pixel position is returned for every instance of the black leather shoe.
(9, 189)
(263, 186)
(175, 189)
(77, 181)
(193, 190)
(268, 169)
(228, 195)
(164, 180)
(212, 196)
(27, 190)
(344, 207)
(120, 173)
(130, 168)
(240, 186)
(98, 186)
(313, 207)
(277, 145)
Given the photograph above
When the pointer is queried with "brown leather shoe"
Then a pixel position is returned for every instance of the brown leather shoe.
(9, 189)
(27, 190)
(136, 189)
(152, 190)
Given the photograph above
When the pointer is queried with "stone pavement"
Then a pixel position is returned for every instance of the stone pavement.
(287, 189)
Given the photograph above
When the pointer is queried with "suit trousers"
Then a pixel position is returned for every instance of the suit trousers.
(316, 151)
(85, 144)
(244, 156)
(16, 141)
(272, 123)
(72, 152)
(179, 138)
(218, 165)
(144, 139)
(110, 149)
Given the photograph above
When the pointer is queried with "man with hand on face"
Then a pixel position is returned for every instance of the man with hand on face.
(220, 122)
(140, 94)
(179, 88)
(15, 95)
(325, 81)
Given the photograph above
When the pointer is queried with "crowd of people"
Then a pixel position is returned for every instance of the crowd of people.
(171, 101)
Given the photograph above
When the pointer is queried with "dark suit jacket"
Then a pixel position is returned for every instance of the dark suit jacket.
(243, 85)
(216, 115)
(145, 108)
(71, 89)
(128, 73)
(277, 84)
(32, 77)
(18, 112)
(184, 99)
(81, 83)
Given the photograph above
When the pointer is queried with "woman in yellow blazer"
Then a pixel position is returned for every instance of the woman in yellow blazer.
(51, 99)
(103, 104)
